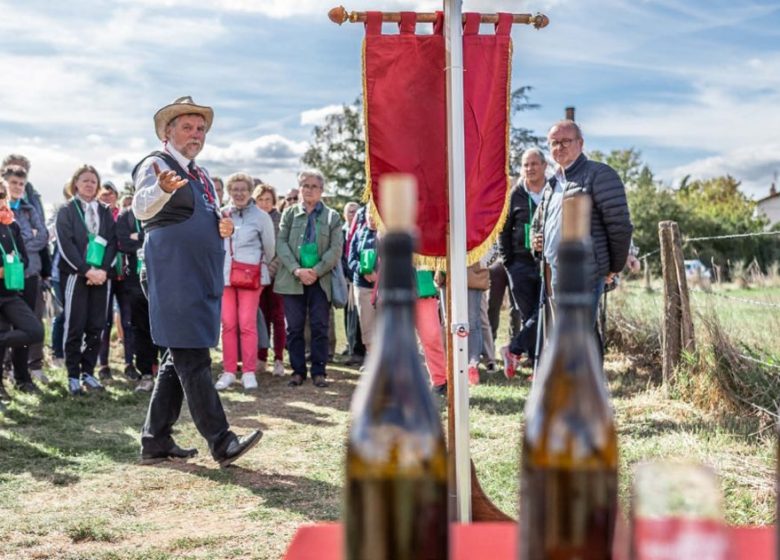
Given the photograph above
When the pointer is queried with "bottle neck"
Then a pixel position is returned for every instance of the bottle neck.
(397, 277)
(574, 296)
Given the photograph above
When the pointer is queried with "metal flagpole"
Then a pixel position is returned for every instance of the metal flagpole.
(458, 316)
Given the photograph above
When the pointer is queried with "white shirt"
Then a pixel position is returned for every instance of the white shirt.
(149, 198)
(94, 205)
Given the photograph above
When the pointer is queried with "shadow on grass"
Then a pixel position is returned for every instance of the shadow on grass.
(503, 406)
(313, 499)
(643, 427)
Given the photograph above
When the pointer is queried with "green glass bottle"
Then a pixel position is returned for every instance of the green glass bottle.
(568, 485)
(395, 505)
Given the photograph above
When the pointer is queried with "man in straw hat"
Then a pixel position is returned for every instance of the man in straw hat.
(184, 256)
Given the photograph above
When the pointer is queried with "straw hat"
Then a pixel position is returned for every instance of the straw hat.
(182, 106)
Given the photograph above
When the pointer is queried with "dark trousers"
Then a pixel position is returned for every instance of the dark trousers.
(58, 324)
(27, 330)
(35, 358)
(314, 304)
(122, 293)
(272, 306)
(525, 284)
(499, 282)
(186, 372)
(355, 346)
(146, 351)
(85, 316)
(20, 355)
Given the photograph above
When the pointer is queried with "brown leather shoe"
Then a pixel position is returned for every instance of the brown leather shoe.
(296, 380)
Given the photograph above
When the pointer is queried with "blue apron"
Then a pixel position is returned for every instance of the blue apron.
(184, 265)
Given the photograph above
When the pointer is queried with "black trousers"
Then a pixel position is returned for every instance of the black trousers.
(499, 282)
(85, 316)
(27, 330)
(20, 355)
(186, 372)
(146, 351)
(525, 285)
(121, 292)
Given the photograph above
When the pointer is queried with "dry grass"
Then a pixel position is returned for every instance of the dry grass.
(70, 486)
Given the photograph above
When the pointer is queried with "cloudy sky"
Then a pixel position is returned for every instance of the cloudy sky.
(694, 85)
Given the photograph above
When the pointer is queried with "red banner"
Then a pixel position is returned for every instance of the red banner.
(406, 124)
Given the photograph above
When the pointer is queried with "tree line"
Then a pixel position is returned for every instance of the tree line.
(701, 207)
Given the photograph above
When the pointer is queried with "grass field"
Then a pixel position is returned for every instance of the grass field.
(70, 486)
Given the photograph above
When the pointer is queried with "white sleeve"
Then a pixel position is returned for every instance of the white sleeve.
(149, 198)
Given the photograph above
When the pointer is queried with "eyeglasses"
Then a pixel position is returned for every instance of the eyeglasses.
(292, 199)
(310, 186)
(564, 143)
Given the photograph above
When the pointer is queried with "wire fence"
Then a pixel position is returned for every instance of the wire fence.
(756, 302)
(715, 238)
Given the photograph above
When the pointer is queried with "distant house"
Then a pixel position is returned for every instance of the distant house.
(769, 206)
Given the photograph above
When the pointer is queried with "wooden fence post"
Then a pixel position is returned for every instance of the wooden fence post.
(671, 322)
(686, 320)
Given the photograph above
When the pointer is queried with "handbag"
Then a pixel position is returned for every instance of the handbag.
(244, 276)
(339, 293)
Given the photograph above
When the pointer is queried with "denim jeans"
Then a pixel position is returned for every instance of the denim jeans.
(475, 324)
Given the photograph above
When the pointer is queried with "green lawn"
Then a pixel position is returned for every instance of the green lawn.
(70, 486)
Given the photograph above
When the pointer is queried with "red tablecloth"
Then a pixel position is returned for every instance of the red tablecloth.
(497, 541)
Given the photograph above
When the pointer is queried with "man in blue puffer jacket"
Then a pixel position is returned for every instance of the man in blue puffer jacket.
(611, 226)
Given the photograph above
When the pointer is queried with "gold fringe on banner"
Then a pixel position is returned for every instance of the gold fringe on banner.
(428, 262)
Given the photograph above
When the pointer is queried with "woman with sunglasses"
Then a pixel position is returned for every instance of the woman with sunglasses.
(27, 329)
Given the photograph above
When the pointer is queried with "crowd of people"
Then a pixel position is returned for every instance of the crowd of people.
(189, 262)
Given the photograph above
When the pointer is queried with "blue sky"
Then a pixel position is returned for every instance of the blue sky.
(694, 85)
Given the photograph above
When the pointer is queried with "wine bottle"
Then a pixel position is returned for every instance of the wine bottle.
(568, 485)
(395, 505)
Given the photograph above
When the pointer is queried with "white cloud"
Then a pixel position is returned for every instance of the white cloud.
(754, 165)
(314, 117)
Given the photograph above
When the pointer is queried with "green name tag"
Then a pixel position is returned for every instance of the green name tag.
(13, 273)
(309, 256)
(527, 236)
(96, 250)
(367, 261)
(425, 286)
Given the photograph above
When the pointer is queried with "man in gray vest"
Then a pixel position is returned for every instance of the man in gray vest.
(184, 257)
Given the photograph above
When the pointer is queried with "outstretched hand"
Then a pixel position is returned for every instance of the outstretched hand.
(168, 180)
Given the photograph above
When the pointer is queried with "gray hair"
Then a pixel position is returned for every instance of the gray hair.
(239, 177)
(535, 151)
(567, 123)
(17, 159)
(316, 173)
(350, 205)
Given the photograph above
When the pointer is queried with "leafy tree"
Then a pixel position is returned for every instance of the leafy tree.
(627, 163)
(520, 138)
(717, 208)
(338, 149)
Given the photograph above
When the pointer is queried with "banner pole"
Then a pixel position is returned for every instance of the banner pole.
(456, 280)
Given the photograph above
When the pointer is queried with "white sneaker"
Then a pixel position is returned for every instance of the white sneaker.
(225, 381)
(278, 368)
(39, 376)
(261, 367)
(250, 381)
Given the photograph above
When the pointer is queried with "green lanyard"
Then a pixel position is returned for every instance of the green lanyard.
(137, 225)
(16, 251)
(527, 226)
(81, 215)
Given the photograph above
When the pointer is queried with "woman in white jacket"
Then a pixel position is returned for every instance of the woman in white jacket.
(251, 244)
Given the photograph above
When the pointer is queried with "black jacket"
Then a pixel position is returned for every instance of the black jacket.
(6, 232)
(126, 225)
(73, 237)
(512, 241)
(611, 226)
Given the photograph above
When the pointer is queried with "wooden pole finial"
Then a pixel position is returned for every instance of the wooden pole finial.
(338, 15)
